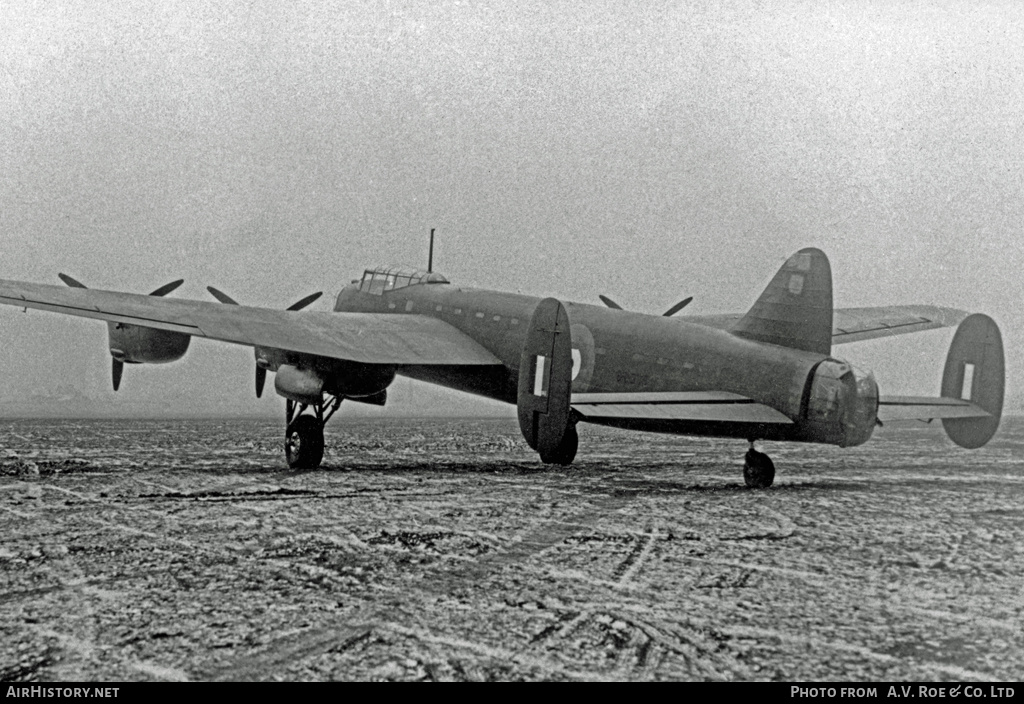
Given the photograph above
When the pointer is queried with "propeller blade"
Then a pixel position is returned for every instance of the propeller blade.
(677, 307)
(167, 288)
(221, 296)
(261, 372)
(261, 378)
(71, 282)
(609, 302)
(116, 369)
(299, 305)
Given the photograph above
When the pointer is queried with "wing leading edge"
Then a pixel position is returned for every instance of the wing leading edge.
(359, 337)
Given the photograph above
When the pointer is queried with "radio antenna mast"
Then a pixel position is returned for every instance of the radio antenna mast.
(430, 257)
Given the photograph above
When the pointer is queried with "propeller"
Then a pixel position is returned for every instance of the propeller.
(116, 370)
(669, 313)
(677, 307)
(261, 372)
(117, 366)
(71, 282)
(162, 291)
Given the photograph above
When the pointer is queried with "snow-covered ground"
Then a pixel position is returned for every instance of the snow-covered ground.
(442, 549)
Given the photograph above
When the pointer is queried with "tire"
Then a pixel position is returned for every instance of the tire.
(304, 443)
(758, 470)
(565, 453)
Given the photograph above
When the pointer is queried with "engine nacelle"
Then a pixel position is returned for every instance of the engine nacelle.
(842, 405)
(136, 344)
(307, 384)
(301, 385)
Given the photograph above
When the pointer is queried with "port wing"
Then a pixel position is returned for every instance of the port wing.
(359, 337)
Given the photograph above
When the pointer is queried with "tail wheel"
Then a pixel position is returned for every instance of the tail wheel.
(758, 470)
(565, 453)
(304, 443)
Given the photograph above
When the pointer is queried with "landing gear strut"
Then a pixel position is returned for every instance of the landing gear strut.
(758, 469)
(304, 436)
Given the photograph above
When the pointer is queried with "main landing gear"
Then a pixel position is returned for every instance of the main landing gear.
(304, 436)
(758, 469)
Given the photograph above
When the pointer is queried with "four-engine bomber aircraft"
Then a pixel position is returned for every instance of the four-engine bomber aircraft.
(765, 375)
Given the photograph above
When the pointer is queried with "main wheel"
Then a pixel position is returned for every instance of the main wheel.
(758, 470)
(565, 453)
(304, 443)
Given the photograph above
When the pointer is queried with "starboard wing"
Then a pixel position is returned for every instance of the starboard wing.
(359, 337)
(857, 324)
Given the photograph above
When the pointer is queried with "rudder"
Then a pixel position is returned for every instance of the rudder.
(795, 310)
(545, 378)
(975, 371)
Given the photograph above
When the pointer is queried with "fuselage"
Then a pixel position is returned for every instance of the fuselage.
(616, 351)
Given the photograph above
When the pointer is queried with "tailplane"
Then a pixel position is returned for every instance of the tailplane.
(795, 309)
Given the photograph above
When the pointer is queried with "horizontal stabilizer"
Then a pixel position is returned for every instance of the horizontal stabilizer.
(696, 406)
(926, 408)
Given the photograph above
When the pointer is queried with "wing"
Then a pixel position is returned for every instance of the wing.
(359, 337)
(856, 324)
(696, 406)
(925, 408)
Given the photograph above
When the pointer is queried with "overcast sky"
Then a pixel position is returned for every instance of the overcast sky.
(648, 151)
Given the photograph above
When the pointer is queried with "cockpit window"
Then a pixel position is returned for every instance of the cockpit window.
(376, 283)
(381, 279)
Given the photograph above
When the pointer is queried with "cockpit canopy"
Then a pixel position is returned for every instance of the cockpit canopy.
(389, 278)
